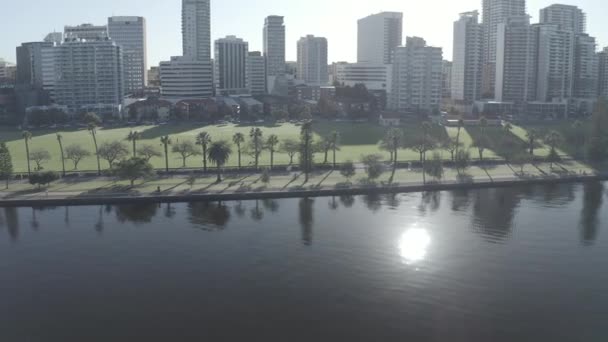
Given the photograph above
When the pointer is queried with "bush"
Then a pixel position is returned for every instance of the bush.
(463, 159)
(347, 170)
(43, 178)
(434, 167)
(265, 176)
(373, 166)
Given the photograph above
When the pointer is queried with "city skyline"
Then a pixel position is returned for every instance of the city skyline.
(164, 26)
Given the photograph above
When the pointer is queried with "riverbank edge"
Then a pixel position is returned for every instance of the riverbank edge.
(236, 196)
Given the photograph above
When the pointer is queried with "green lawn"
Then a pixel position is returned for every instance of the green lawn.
(357, 139)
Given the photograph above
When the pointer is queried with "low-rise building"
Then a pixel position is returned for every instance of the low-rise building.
(183, 78)
(389, 119)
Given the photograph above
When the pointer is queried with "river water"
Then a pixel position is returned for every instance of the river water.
(508, 264)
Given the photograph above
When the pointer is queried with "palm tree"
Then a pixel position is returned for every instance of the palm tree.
(426, 128)
(204, 139)
(60, 141)
(256, 140)
(133, 137)
(532, 136)
(27, 136)
(460, 126)
(166, 141)
(219, 153)
(92, 128)
(334, 139)
(483, 122)
(271, 144)
(238, 139)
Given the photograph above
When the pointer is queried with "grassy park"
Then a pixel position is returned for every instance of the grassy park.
(356, 139)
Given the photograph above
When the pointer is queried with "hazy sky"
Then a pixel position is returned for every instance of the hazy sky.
(335, 19)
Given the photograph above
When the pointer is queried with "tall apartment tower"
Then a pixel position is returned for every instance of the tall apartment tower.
(494, 13)
(196, 29)
(312, 60)
(586, 67)
(567, 17)
(466, 63)
(446, 71)
(378, 37)
(231, 65)
(512, 59)
(274, 52)
(603, 73)
(86, 32)
(30, 62)
(90, 75)
(256, 73)
(130, 34)
(417, 77)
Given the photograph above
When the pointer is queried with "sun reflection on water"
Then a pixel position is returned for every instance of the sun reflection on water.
(414, 244)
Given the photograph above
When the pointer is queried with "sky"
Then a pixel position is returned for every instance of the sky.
(336, 20)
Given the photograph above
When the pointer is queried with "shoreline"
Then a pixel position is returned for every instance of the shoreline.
(125, 198)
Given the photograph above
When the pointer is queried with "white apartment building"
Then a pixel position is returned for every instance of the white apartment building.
(85, 31)
(586, 67)
(184, 78)
(495, 12)
(554, 62)
(378, 37)
(567, 17)
(89, 75)
(196, 29)
(274, 52)
(417, 77)
(512, 59)
(312, 60)
(376, 77)
(230, 66)
(4, 68)
(603, 73)
(130, 34)
(256, 73)
(466, 61)
(446, 72)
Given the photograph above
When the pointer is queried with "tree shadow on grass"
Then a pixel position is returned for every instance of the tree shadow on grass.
(160, 131)
(503, 143)
(123, 190)
(22, 193)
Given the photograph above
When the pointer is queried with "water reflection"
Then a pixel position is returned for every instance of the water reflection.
(139, 214)
(257, 214)
(393, 201)
(333, 203)
(593, 198)
(414, 245)
(461, 200)
(170, 211)
(494, 211)
(209, 216)
(373, 202)
(430, 200)
(306, 220)
(100, 225)
(347, 201)
(239, 209)
(271, 205)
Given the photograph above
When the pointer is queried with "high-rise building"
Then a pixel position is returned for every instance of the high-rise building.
(54, 37)
(130, 34)
(274, 52)
(567, 17)
(196, 29)
(553, 63)
(29, 63)
(378, 37)
(446, 77)
(375, 77)
(512, 59)
(417, 77)
(312, 60)
(603, 73)
(495, 12)
(185, 78)
(89, 75)
(466, 64)
(256, 73)
(85, 31)
(154, 77)
(586, 67)
(4, 69)
(231, 65)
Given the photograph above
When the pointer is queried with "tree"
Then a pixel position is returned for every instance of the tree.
(148, 152)
(463, 160)
(60, 141)
(422, 144)
(91, 119)
(553, 139)
(185, 149)
(481, 144)
(373, 165)
(39, 157)
(553, 158)
(166, 141)
(306, 150)
(279, 115)
(334, 139)
(6, 163)
(219, 154)
(507, 128)
(348, 170)
(238, 139)
(394, 141)
(112, 151)
(598, 142)
(133, 137)
(291, 147)
(460, 126)
(256, 145)
(272, 144)
(265, 178)
(44, 178)
(521, 160)
(324, 146)
(203, 139)
(133, 169)
(27, 136)
(532, 136)
(435, 167)
(451, 145)
(92, 128)
(76, 154)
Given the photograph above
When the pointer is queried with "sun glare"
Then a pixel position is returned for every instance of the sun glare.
(414, 244)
